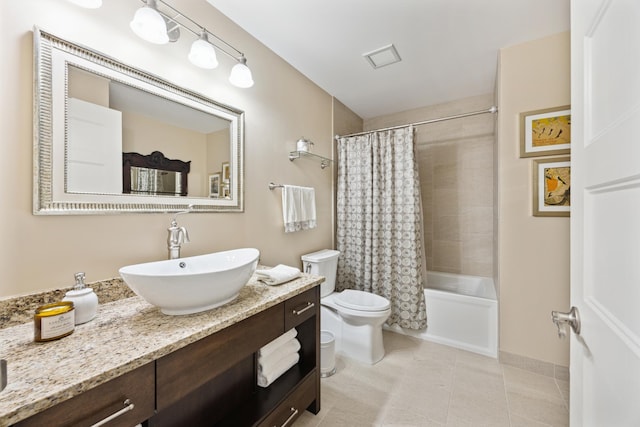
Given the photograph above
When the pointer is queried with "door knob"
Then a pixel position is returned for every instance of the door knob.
(572, 318)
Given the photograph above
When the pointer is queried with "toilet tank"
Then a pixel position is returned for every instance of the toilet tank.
(322, 263)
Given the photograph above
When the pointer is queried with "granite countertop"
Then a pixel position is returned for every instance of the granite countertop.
(126, 334)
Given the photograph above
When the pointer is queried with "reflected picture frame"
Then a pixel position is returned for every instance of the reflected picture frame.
(225, 171)
(552, 187)
(214, 185)
(545, 132)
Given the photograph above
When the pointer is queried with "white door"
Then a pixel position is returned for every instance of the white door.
(605, 212)
(94, 148)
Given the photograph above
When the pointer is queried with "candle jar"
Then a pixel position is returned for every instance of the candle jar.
(53, 321)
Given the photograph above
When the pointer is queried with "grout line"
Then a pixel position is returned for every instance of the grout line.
(564, 398)
(506, 393)
(453, 387)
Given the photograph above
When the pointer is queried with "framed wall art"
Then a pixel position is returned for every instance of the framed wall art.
(214, 185)
(545, 132)
(552, 187)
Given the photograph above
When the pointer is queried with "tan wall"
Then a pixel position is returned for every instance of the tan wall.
(345, 122)
(533, 251)
(455, 159)
(43, 252)
(88, 87)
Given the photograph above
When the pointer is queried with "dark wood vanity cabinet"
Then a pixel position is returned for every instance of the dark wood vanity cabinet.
(105, 401)
(213, 381)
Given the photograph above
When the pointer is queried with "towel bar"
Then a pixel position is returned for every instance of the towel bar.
(273, 185)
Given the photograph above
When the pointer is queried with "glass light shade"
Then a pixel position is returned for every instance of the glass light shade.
(203, 55)
(149, 25)
(241, 75)
(89, 4)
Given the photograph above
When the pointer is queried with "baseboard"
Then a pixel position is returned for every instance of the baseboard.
(533, 365)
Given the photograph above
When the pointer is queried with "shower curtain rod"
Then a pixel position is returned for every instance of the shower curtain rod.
(491, 110)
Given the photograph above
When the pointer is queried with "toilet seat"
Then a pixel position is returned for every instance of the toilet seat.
(361, 301)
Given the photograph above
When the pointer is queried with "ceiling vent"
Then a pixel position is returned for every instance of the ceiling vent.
(384, 56)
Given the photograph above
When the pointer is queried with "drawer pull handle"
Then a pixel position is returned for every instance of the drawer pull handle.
(294, 412)
(309, 306)
(128, 406)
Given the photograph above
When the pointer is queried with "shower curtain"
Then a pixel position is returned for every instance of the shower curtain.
(379, 222)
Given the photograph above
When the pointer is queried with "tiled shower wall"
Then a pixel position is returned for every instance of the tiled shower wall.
(456, 175)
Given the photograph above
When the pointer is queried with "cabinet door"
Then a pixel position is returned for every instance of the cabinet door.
(93, 406)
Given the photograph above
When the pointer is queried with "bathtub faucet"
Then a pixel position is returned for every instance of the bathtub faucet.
(177, 235)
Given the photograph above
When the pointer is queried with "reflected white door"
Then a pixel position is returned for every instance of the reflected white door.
(94, 148)
(605, 212)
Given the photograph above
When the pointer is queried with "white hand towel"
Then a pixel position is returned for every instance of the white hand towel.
(298, 208)
(268, 362)
(266, 378)
(281, 340)
(279, 274)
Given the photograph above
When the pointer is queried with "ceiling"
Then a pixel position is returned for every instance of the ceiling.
(449, 48)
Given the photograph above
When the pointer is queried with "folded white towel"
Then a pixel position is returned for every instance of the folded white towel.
(279, 274)
(266, 378)
(281, 340)
(268, 362)
(298, 208)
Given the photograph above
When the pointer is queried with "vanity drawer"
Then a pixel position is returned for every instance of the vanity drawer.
(301, 307)
(104, 401)
(294, 404)
(185, 370)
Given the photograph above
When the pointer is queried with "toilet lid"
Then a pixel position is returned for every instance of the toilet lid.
(363, 301)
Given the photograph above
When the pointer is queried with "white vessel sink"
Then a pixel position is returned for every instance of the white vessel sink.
(192, 284)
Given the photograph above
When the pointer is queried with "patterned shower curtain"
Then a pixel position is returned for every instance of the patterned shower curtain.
(379, 222)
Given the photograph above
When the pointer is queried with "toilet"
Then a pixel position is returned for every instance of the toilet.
(354, 317)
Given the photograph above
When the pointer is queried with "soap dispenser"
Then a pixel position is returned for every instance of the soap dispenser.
(84, 300)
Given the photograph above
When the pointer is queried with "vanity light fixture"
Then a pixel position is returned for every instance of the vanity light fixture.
(160, 23)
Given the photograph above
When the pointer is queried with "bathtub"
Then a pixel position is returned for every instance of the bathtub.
(462, 312)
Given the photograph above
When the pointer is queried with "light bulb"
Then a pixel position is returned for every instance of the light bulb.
(149, 25)
(202, 53)
(241, 74)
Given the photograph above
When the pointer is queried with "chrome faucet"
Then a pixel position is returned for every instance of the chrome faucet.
(177, 236)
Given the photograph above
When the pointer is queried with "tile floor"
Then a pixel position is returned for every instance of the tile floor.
(420, 383)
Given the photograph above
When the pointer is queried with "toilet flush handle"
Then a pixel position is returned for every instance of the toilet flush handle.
(307, 269)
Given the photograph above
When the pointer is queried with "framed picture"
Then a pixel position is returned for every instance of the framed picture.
(552, 187)
(225, 171)
(214, 185)
(545, 132)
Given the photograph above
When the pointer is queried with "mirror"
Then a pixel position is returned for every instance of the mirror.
(111, 138)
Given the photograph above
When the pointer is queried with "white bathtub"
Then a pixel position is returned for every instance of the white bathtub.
(462, 312)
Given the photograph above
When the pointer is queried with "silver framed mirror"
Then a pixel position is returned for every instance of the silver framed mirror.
(92, 111)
